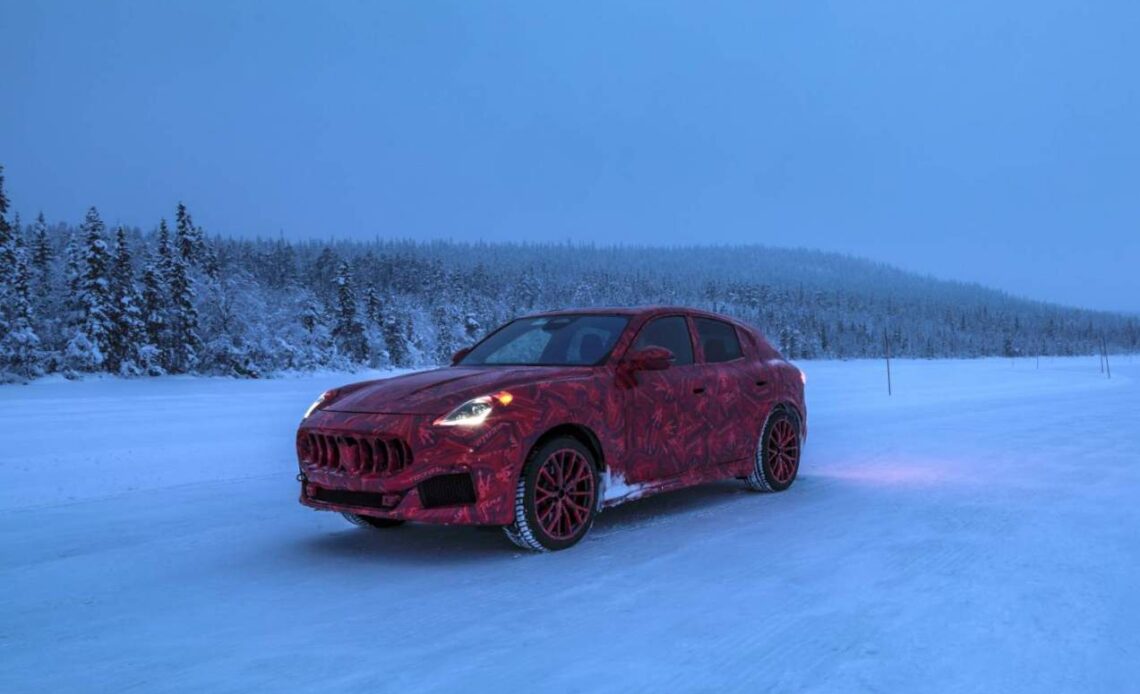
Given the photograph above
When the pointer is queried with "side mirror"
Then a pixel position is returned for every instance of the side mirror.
(650, 359)
(458, 356)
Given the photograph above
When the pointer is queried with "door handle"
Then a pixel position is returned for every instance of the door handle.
(699, 390)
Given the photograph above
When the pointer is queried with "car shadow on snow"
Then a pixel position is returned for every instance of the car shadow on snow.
(435, 544)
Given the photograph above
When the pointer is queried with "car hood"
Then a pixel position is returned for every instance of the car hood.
(438, 391)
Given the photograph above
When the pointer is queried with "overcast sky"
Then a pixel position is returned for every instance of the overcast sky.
(987, 141)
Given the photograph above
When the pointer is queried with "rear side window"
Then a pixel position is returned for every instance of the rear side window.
(670, 332)
(718, 340)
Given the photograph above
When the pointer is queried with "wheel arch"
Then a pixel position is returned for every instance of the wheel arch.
(584, 434)
(789, 408)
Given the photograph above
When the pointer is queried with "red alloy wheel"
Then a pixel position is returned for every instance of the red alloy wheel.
(783, 451)
(564, 493)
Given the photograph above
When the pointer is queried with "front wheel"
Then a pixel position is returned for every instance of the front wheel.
(372, 521)
(777, 454)
(556, 497)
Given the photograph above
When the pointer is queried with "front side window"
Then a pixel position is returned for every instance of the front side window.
(565, 340)
(670, 332)
(718, 340)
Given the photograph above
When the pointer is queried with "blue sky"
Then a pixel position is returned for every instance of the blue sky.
(993, 142)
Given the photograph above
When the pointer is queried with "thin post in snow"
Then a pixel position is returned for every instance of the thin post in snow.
(1104, 349)
(887, 348)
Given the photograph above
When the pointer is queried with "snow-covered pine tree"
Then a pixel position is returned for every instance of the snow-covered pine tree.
(790, 340)
(189, 253)
(323, 273)
(417, 329)
(7, 257)
(190, 241)
(525, 293)
(395, 335)
(166, 252)
(73, 278)
(20, 352)
(282, 262)
(185, 343)
(374, 328)
(234, 317)
(89, 341)
(446, 323)
(157, 309)
(126, 335)
(211, 262)
(472, 328)
(316, 343)
(310, 316)
(20, 356)
(42, 255)
(152, 356)
(348, 331)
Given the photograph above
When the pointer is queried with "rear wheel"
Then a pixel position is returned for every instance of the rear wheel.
(372, 521)
(556, 498)
(777, 454)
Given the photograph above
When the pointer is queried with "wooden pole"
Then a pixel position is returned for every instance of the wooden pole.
(1104, 349)
(887, 348)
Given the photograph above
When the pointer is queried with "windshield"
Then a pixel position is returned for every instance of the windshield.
(566, 340)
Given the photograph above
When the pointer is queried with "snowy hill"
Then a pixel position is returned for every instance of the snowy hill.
(175, 300)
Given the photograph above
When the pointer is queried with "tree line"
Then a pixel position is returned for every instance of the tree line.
(78, 299)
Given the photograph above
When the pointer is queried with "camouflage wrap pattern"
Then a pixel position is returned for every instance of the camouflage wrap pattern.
(652, 430)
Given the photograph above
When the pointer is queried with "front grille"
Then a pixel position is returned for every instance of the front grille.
(447, 490)
(354, 455)
(349, 498)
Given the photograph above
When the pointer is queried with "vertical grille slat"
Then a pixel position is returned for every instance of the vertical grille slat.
(347, 454)
(393, 462)
(364, 456)
(398, 454)
(322, 452)
(381, 455)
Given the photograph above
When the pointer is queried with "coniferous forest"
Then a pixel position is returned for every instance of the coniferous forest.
(80, 298)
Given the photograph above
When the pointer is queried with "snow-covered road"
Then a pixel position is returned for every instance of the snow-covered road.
(978, 531)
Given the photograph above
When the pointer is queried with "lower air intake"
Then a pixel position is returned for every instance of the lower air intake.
(447, 490)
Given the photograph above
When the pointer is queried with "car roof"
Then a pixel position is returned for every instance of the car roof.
(637, 311)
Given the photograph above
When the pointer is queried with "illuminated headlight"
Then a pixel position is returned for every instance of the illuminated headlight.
(326, 397)
(474, 411)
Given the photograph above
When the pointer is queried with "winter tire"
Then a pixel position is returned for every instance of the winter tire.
(777, 454)
(556, 497)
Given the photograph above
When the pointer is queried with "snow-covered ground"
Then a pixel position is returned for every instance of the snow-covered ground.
(978, 531)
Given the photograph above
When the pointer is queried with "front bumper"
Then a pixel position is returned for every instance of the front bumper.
(456, 475)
